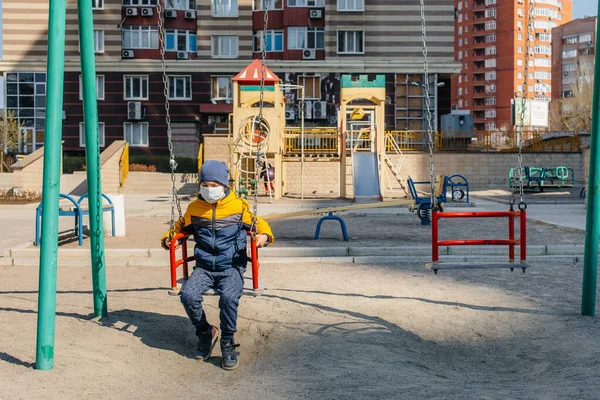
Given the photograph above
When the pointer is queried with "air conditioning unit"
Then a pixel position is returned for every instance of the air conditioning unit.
(147, 11)
(290, 114)
(170, 13)
(131, 11)
(316, 14)
(589, 43)
(309, 54)
(190, 15)
(566, 73)
(134, 110)
(308, 111)
(319, 110)
(127, 54)
(182, 55)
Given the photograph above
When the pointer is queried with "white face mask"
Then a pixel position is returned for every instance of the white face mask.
(212, 194)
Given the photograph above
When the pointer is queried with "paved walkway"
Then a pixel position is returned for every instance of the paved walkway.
(18, 222)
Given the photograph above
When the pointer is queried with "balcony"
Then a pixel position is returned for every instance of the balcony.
(478, 64)
(479, 52)
(479, 114)
(478, 78)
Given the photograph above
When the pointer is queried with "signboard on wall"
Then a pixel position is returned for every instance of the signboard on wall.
(536, 113)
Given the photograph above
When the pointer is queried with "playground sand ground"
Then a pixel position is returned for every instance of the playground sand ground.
(366, 229)
(320, 332)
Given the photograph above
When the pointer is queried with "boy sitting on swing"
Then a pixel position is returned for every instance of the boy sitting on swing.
(219, 221)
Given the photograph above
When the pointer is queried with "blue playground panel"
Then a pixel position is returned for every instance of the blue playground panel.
(77, 212)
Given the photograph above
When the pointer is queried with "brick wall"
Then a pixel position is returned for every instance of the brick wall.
(321, 178)
(29, 172)
(216, 147)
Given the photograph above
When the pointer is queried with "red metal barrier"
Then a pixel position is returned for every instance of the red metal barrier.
(185, 259)
(510, 242)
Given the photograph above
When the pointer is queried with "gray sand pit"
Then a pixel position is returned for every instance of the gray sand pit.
(320, 332)
(382, 230)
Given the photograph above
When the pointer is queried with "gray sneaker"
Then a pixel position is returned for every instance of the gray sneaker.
(230, 356)
(206, 343)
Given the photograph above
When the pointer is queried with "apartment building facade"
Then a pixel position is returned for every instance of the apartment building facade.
(491, 44)
(573, 52)
(309, 43)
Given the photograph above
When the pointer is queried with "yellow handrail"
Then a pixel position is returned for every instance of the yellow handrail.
(200, 156)
(124, 165)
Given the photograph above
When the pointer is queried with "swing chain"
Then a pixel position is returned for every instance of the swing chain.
(430, 135)
(261, 125)
(521, 127)
(172, 163)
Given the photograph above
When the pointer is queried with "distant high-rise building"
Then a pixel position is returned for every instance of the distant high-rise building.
(573, 47)
(491, 43)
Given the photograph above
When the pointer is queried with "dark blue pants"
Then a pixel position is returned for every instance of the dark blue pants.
(228, 285)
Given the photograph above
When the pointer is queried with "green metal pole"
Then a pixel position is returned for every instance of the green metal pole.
(92, 155)
(44, 355)
(592, 225)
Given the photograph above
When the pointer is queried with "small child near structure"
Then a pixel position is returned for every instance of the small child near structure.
(219, 221)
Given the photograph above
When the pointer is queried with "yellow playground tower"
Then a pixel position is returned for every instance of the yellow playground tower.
(251, 137)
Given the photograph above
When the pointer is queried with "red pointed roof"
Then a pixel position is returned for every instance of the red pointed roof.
(252, 74)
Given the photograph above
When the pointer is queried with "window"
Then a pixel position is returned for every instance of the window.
(460, 91)
(490, 50)
(544, 37)
(519, 75)
(136, 134)
(224, 46)
(543, 49)
(541, 24)
(26, 99)
(489, 25)
(491, 63)
(99, 87)
(136, 88)
(490, 126)
(98, 41)
(350, 42)
(584, 38)
(542, 87)
(490, 101)
(260, 5)
(569, 80)
(274, 41)
(100, 134)
(312, 86)
(490, 12)
(490, 76)
(543, 62)
(567, 93)
(180, 5)
(519, 49)
(97, 4)
(350, 5)
(180, 87)
(543, 75)
(306, 3)
(569, 53)
(569, 67)
(490, 38)
(520, 36)
(224, 8)
(221, 88)
(460, 30)
(545, 12)
(139, 2)
(180, 40)
(490, 88)
(460, 103)
(140, 37)
(460, 55)
(490, 113)
(306, 38)
(460, 42)
(460, 18)
(520, 62)
(519, 88)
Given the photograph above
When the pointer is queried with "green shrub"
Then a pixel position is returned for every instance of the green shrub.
(72, 163)
(184, 165)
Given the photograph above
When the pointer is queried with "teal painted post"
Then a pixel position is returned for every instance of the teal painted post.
(92, 155)
(592, 225)
(44, 354)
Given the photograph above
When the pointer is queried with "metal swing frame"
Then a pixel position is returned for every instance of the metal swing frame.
(436, 214)
(182, 238)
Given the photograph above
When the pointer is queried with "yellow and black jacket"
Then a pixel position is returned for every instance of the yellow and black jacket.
(220, 231)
